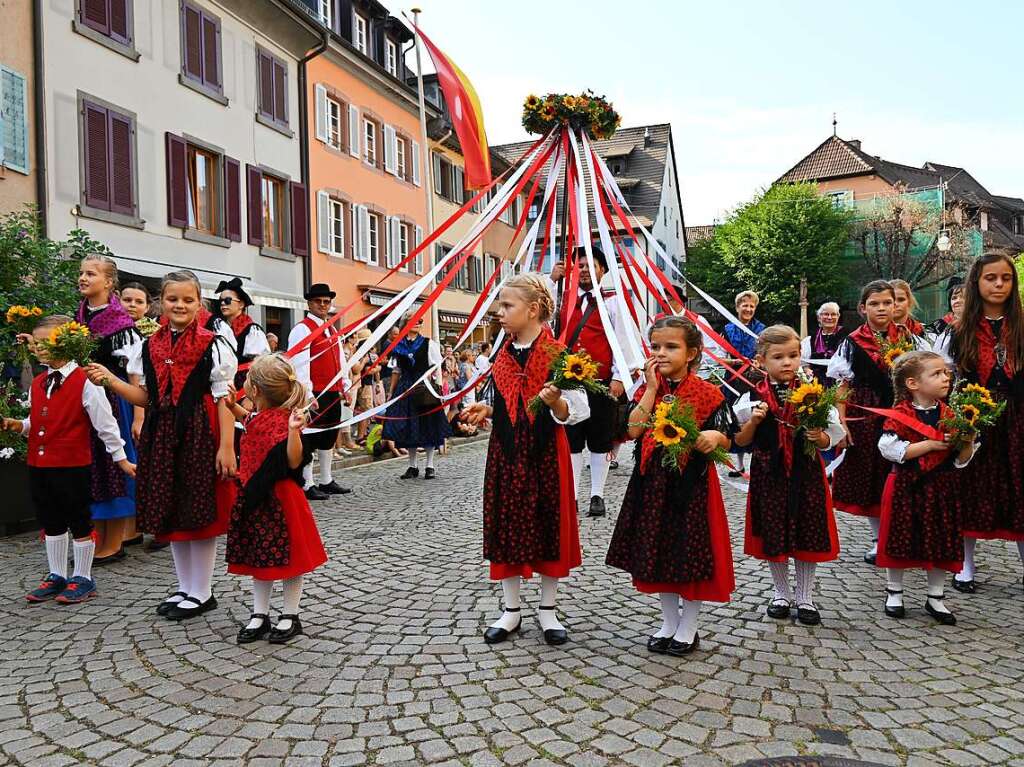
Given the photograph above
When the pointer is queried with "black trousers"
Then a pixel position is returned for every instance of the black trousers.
(327, 416)
(62, 497)
(599, 431)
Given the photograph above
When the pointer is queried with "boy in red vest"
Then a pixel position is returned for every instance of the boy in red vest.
(65, 409)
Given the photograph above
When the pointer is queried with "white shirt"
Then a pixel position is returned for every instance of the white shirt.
(576, 399)
(222, 374)
(894, 449)
(97, 407)
(839, 368)
(482, 363)
(745, 404)
(256, 342)
(223, 329)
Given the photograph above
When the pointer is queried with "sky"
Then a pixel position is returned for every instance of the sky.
(750, 87)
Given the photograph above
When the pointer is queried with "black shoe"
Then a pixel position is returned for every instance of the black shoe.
(496, 634)
(178, 613)
(965, 587)
(155, 545)
(555, 636)
(410, 473)
(136, 541)
(734, 473)
(871, 558)
(658, 645)
(895, 612)
(117, 556)
(808, 616)
(428, 473)
(597, 508)
(333, 488)
(314, 493)
(778, 609)
(165, 607)
(679, 649)
(248, 636)
(946, 619)
(279, 636)
(613, 465)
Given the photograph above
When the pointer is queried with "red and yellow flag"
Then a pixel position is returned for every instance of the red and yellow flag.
(467, 116)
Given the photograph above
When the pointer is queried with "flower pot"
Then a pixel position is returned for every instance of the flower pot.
(17, 514)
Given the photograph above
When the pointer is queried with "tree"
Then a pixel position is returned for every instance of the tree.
(781, 236)
(705, 268)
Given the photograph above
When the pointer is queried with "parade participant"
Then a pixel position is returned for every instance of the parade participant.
(272, 535)
(987, 348)
(955, 299)
(789, 507)
(816, 350)
(113, 492)
(672, 534)
(186, 450)
(921, 507)
(586, 332)
(66, 412)
(904, 307)
(529, 499)
(745, 344)
(862, 364)
(416, 420)
(319, 368)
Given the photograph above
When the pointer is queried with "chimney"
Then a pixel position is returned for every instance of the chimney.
(854, 142)
(647, 137)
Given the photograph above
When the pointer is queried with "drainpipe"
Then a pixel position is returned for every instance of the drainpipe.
(39, 108)
(307, 264)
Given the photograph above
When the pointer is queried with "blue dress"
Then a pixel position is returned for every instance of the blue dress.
(404, 422)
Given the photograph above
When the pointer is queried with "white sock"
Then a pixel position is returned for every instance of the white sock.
(203, 558)
(780, 579)
(876, 524)
(260, 601)
(577, 469)
(430, 457)
(688, 621)
(84, 551)
(936, 582)
(57, 554)
(548, 594)
(292, 594)
(669, 614)
(181, 553)
(598, 474)
(895, 583)
(307, 476)
(967, 573)
(740, 462)
(413, 455)
(325, 457)
(510, 598)
(805, 583)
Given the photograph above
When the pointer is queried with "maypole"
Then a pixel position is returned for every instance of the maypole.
(428, 167)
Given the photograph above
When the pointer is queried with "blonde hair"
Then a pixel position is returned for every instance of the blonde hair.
(109, 266)
(532, 288)
(275, 377)
(905, 287)
(745, 294)
(910, 365)
(52, 321)
(182, 275)
(774, 335)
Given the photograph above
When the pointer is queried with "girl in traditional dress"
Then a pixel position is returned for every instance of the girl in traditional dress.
(113, 491)
(862, 365)
(987, 348)
(672, 535)
(921, 517)
(272, 535)
(186, 452)
(904, 307)
(529, 501)
(789, 506)
(955, 299)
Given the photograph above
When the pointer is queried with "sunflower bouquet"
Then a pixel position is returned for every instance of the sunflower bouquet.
(586, 111)
(812, 403)
(572, 370)
(888, 350)
(675, 429)
(70, 341)
(23, 319)
(972, 409)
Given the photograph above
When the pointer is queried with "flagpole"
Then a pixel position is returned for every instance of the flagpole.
(428, 166)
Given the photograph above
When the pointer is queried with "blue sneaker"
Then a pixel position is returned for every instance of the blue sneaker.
(79, 589)
(48, 588)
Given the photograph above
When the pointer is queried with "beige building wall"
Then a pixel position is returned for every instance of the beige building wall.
(18, 187)
(860, 186)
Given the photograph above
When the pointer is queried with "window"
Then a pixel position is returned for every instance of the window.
(373, 254)
(440, 254)
(840, 198)
(13, 121)
(400, 166)
(360, 34)
(403, 245)
(334, 133)
(447, 179)
(475, 281)
(272, 74)
(109, 23)
(369, 141)
(273, 213)
(534, 210)
(204, 191)
(983, 221)
(336, 220)
(278, 213)
(326, 13)
(617, 167)
(108, 162)
(201, 52)
(331, 221)
(1018, 224)
(391, 57)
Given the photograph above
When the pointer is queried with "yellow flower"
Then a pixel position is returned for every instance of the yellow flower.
(970, 414)
(532, 101)
(576, 367)
(667, 433)
(548, 112)
(37, 312)
(979, 389)
(54, 335)
(808, 392)
(662, 411)
(892, 354)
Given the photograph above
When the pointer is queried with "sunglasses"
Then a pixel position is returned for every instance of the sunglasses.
(228, 301)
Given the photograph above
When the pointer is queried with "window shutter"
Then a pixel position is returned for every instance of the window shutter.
(280, 91)
(458, 184)
(390, 150)
(120, 21)
(363, 253)
(389, 242)
(232, 199)
(95, 15)
(436, 168)
(300, 219)
(254, 203)
(193, 43)
(122, 181)
(177, 184)
(416, 164)
(396, 238)
(97, 158)
(323, 222)
(354, 234)
(416, 244)
(353, 131)
(266, 76)
(13, 121)
(321, 112)
(211, 52)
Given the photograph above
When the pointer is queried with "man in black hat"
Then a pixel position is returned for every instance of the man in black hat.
(319, 368)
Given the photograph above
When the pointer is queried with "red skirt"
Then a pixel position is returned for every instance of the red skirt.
(569, 553)
(305, 547)
(753, 546)
(225, 491)
(884, 560)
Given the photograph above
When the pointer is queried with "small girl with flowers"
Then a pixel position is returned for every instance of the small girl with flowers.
(672, 534)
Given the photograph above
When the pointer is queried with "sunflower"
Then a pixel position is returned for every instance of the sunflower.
(548, 112)
(667, 433)
(979, 389)
(532, 101)
(806, 394)
(970, 414)
(662, 410)
(576, 367)
(54, 335)
(891, 355)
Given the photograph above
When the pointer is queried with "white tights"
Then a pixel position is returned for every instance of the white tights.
(261, 591)
(193, 563)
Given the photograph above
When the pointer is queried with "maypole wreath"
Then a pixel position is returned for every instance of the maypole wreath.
(586, 111)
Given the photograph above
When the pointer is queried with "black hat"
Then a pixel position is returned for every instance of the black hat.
(599, 256)
(235, 285)
(319, 290)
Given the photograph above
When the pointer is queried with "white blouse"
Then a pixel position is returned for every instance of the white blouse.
(745, 404)
(222, 374)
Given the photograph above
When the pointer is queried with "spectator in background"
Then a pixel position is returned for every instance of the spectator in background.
(746, 344)
(817, 349)
(272, 340)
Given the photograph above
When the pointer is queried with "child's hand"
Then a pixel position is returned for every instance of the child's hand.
(815, 436)
(846, 441)
(550, 394)
(707, 441)
(137, 429)
(11, 424)
(231, 398)
(476, 414)
(651, 373)
(227, 465)
(98, 374)
(759, 412)
(127, 467)
(935, 445)
(297, 420)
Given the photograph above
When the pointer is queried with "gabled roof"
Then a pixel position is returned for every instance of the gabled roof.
(832, 158)
(1012, 204)
(695, 234)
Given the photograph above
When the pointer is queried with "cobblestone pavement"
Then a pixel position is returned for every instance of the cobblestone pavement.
(393, 669)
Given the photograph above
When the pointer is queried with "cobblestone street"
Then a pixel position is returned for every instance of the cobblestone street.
(393, 669)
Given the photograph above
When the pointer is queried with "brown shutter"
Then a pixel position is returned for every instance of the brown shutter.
(300, 219)
(177, 181)
(193, 34)
(122, 180)
(96, 150)
(232, 199)
(254, 203)
(211, 51)
(95, 15)
(280, 92)
(266, 92)
(119, 20)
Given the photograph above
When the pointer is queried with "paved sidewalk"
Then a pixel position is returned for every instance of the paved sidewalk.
(393, 669)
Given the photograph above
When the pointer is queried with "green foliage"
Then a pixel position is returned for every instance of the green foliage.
(1019, 261)
(705, 268)
(13, 404)
(784, 234)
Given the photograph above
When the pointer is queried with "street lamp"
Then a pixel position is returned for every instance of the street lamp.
(943, 243)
